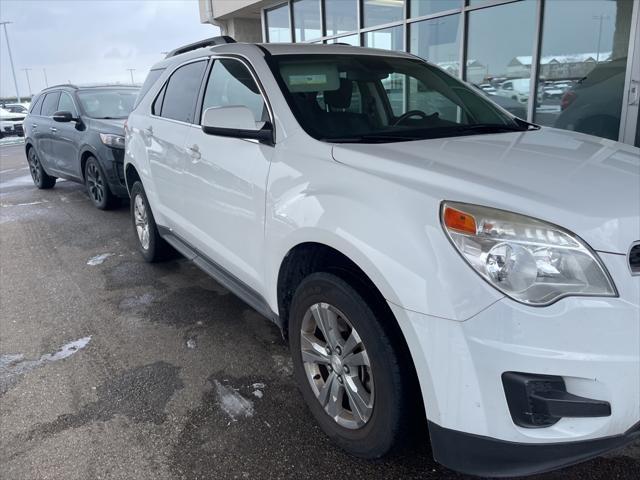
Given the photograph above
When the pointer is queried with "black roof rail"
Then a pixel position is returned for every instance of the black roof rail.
(70, 85)
(208, 42)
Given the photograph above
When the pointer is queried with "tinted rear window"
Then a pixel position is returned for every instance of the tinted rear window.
(151, 79)
(50, 104)
(35, 109)
(182, 92)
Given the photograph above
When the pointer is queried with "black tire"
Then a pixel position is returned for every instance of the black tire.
(97, 186)
(40, 178)
(388, 422)
(157, 248)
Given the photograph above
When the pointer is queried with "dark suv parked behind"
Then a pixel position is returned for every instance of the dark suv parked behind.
(77, 133)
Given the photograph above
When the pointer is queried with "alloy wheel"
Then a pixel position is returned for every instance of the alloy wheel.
(337, 365)
(142, 221)
(34, 167)
(95, 183)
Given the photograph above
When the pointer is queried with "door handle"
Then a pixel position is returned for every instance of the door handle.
(53, 129)
(149, 131)
(634, 92)
(194, 152)
(34, 125)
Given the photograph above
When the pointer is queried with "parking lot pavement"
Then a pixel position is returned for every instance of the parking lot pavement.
(113, 368)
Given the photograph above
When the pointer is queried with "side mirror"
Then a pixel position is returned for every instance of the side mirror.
(235, 122)
(63, 117)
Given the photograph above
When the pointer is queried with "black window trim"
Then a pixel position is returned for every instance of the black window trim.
(166, 82)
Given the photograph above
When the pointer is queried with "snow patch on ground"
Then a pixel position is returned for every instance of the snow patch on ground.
(14, 365)
(99, 259)
(232, 403)
(11, 141)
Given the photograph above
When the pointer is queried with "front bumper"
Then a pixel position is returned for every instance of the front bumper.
(593, 344)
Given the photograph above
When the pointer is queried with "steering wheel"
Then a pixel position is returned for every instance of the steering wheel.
(409, 114)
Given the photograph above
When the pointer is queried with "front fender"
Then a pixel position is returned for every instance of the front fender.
(391, 232)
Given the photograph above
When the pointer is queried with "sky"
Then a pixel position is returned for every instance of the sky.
(90, 41)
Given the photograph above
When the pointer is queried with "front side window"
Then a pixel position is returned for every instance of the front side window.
(66, 104)
(231, 84)
(365, 98)
(181, 92)
(50, 104)
(107, 103)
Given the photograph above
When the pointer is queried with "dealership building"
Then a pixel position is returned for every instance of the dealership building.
(572, 64)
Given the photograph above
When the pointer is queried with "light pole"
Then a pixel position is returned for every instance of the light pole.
(600, 18)
(26, 71)
(13, 69)
(131, 70)
(46, 81)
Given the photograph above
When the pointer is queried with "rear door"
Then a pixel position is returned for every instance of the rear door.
(46, 129)
(165, 133)
(67, 138)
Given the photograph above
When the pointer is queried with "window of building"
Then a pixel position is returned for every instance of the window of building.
(50, 104)
(378, 13)
(387, 38)
(499, 38)
(278, 28)
(341, 16)
(65, 104)
(419, 8)
(182, 92)
(231, 83)
(306, 20)
(583, 65)
(438, 41)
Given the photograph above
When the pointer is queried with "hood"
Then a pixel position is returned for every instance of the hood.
(115, 126)
(588, 185)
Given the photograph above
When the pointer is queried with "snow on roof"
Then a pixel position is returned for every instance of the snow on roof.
(571, 58)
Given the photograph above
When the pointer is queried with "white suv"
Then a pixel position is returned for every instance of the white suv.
(423, 253)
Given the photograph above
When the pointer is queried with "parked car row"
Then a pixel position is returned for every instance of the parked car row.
(428, 255)
(11, 118)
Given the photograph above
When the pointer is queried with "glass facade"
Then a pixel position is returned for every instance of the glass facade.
(560, 63)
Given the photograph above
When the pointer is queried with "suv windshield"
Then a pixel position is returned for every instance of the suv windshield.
(109, 103)
(371, 99)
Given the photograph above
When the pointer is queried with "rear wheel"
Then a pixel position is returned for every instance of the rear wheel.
(97, 186)
(40, 178)
(152, 246)
(346, 367)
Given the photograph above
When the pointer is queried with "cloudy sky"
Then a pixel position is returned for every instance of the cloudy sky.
(86, 41)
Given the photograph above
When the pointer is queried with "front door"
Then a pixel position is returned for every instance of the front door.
(66, 141)
(226, 178)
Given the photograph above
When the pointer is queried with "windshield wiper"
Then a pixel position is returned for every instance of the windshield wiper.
(372, 138)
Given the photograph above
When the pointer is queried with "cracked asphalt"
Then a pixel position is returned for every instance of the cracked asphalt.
(125, 370)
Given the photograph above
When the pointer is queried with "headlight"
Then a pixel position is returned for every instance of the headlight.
(115, 141)
(529, 260)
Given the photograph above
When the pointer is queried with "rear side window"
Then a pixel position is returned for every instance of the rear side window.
(50, 104)
(181, 93)
(151, 79)
(35, 108)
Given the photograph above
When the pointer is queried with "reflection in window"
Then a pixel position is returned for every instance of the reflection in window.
(418, 8)
(583, 65)
(499, 38)
(388, 38)
(379, 12)
(341, 16)
(306, 19)
(278, 29)
(350, 39)
(438, 41)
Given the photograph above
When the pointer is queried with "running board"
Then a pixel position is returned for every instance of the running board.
(221, 275)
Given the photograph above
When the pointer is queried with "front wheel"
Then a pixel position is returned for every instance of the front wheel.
(152, 246)
(346, 366)
(40, 178)
(97, 187)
